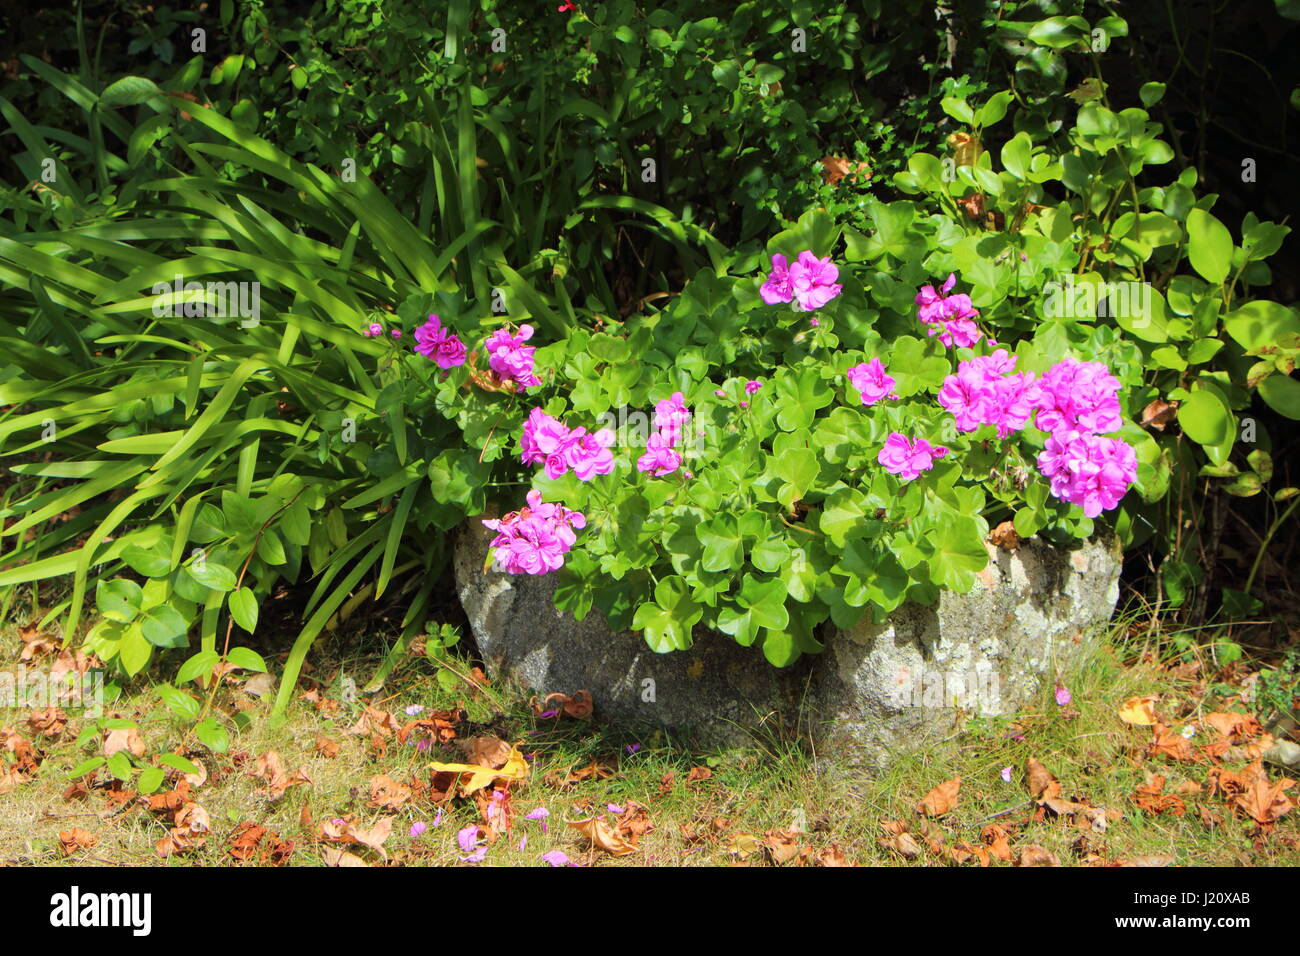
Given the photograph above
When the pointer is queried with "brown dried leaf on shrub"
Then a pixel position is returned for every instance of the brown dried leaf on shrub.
(941, 799)
(835, 168)
(270, 768)
(75, 840)
(1158, 414)
(1005, 536)
(602, 837)
(386, 793)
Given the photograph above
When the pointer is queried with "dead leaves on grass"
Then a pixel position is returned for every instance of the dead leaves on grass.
(270, 769)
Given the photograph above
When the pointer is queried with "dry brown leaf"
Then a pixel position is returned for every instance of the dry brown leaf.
(49, 722)
(1005, 536)
(996, 839)
(490, 752)
(126, 738)
(327, 747)
(941, 799)
(783, 845)
(387, 794)
(375, 723)
(74, 840)
(1035, 855)
(1158, 414)
(270, 768)
(336, 856)
(698, 774)
(1039, 779)
(602, 837)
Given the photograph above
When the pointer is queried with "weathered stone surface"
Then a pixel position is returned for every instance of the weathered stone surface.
(713, 690)
(910, 681)
(876, 689)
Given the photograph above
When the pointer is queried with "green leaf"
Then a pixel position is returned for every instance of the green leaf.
(212, 735)
(1263, 324)
(1209, 246)
(86, 766)
(150, 780)
(128, 91)
(164, 626)
(212, 575)
(1151, 93)
(668, 621)
(181, 704)
(119, 599)
(246, 659)
(119, 765)
(200, 665)
(1282, 392)
(1204, 418)
(177, 762)
(243, 608)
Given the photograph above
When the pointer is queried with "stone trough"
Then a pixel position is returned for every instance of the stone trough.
(874, 691)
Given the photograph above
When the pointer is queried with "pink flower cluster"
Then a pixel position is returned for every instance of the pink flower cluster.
(1079, 396)
(1078, 401)
(872, 382)
(950, 317)
(1074, 401)
(1088, 470)
(548, 441)
(810, 281)
(510, 358)
(907, 459)
(439, 344)
(986, 392)
(661, 455)
(534, 539)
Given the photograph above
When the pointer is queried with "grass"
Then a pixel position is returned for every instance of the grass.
(772, 785)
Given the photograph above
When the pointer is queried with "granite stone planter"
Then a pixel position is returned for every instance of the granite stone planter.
(875, 690)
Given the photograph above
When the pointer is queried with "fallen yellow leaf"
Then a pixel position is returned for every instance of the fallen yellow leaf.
(1138, 710)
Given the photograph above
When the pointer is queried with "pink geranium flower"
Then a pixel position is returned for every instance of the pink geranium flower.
(907, 459)
(438, 344)
(510, 358)
(872, 382)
